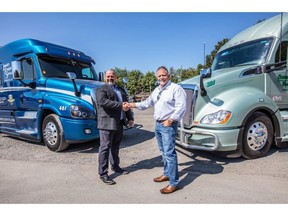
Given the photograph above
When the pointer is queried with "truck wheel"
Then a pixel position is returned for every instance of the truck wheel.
(53, 135)
(258, 136)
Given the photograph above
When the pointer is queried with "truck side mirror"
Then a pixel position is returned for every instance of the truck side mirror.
(101, 76)
(71, 75)
(16, 70)
(205, 73)
(125, 80)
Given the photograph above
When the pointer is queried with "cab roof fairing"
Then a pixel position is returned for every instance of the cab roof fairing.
(268, 28)
(24, 46)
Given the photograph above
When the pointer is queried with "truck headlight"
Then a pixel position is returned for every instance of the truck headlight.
(80, 112)
(220, 117)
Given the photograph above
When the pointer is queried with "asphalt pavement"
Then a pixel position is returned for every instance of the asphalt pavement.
(204, 178)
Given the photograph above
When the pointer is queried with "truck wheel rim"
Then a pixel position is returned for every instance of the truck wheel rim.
(257, 136)
(50, 133)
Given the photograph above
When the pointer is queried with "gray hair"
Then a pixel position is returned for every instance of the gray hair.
(164, 68)
(113, 71)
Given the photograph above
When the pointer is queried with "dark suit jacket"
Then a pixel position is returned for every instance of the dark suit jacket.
(109, 108)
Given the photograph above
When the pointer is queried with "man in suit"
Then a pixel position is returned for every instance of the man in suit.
(112, 109)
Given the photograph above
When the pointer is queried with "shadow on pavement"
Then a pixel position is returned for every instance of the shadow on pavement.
(133, 136)
(198, 163)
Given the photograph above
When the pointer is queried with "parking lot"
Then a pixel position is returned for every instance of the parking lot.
(30, 173)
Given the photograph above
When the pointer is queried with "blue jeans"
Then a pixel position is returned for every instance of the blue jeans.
(166, 137)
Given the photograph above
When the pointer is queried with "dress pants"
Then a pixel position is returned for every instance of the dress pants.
(109, 149)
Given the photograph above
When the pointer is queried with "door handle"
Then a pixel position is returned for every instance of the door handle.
(21, 98)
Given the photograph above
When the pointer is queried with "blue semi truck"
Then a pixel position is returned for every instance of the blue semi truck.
(47, 93)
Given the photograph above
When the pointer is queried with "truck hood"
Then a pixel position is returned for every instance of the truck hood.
(233, 72)
(193, 80)
(65, 86)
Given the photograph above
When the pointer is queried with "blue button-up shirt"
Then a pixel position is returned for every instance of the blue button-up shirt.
(115, 88)
(168, 102)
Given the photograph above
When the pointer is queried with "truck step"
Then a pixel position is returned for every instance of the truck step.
(27, 132)
(26, 117)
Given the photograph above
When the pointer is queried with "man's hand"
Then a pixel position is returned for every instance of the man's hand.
(131, 123)
(131, 105)
(125, 106)
(168, 122)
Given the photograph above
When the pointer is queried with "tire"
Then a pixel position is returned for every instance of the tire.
(258, 136)
(53, 134)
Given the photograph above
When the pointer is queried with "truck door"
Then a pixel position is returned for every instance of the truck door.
(7, 99)
(27, 98)
(277, 82)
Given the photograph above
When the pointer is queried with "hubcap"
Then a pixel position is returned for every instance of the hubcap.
(50, 133)
(257, 136)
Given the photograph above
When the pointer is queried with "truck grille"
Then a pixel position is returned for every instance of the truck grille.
(191, 93)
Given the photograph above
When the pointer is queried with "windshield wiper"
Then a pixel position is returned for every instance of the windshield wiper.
(57, 76)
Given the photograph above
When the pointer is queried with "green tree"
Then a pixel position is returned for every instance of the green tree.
(121, 73)
(134, 83)
(210, 58)
(148, 82)
(189, 73)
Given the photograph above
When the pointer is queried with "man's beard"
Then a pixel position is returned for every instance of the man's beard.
(111, 82)
(162, 83)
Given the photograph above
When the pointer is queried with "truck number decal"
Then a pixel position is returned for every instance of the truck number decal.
(63, 108)
(210, 83)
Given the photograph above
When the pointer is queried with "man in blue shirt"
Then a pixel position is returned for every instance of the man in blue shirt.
(169, 101)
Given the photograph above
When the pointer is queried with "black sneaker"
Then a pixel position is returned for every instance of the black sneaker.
(119, 170)
(107, 180)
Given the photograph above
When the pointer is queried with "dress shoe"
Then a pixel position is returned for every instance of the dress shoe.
(107, 180)
(120, 170)
(161, 179)
(169, 189)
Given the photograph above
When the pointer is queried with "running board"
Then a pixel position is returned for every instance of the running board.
(27, 132)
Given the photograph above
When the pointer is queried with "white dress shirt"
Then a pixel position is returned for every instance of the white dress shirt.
(169, 102)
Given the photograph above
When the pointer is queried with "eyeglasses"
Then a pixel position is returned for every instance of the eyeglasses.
(159, 94)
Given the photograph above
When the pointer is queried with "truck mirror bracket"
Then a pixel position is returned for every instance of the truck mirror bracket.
(72, 76)
(205, 73)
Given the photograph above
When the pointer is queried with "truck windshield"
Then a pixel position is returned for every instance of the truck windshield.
(250, 53)
(57, 67)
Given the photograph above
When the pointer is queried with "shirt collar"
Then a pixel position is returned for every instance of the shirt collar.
(115, 86)
(166, 86)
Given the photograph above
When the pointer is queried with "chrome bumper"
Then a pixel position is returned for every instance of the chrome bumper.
(184, 135)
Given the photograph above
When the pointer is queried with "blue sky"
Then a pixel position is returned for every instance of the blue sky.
(134, 40)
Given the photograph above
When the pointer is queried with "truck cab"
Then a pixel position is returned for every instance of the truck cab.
(239, 106)
(47, 93)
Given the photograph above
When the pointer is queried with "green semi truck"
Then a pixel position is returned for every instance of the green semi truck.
(239, 106)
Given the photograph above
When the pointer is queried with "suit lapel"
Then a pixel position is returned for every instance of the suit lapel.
(111, 92)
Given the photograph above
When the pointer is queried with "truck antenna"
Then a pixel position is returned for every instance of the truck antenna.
(204, 56)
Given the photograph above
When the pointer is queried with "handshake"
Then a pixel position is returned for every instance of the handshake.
(126, 106)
